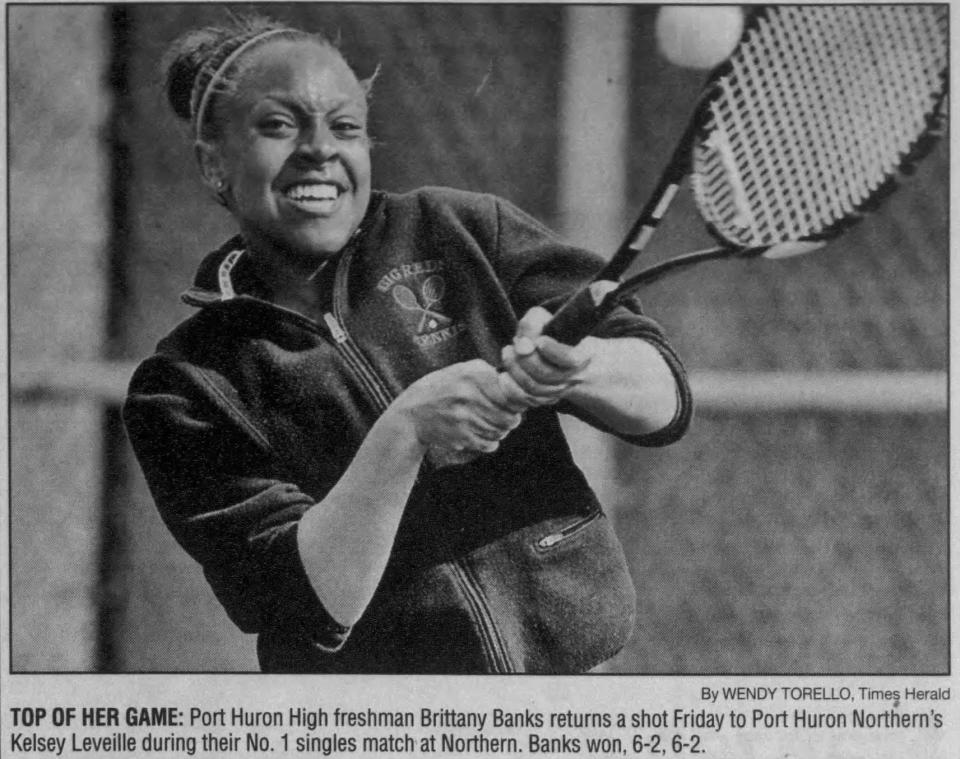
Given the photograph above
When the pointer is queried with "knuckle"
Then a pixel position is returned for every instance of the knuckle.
(476, 365)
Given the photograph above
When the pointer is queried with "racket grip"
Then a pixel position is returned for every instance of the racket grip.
(579, 315)
(570, 324)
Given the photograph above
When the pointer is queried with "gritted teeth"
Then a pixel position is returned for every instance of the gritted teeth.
(313, 191)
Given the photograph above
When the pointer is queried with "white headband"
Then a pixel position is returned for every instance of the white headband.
(201, 108)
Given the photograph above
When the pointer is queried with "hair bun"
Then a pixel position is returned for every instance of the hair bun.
(183, 62)
(204, 48)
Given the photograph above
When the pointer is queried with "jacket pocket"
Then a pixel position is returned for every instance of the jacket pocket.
(559, 593)
(568, 532)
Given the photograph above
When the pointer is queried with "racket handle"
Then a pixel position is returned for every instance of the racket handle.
(579, 315)
(570, 324)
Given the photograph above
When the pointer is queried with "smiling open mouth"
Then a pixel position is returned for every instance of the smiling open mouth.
(317, 197)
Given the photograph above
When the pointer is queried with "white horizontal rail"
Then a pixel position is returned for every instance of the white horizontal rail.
(105, 381)
(846, 391)
(745, 392)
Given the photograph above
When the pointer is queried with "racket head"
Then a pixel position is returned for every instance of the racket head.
(406, 298)
(814, 115)
(433, 289)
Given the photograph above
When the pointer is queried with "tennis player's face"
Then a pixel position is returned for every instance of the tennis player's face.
(295, 153)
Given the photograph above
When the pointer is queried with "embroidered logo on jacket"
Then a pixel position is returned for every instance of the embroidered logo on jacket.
(419, 289)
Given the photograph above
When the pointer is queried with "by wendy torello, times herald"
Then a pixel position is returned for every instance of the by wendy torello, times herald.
(796, 693)
(819, 707)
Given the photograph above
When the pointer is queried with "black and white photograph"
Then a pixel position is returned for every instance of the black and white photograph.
(562, 351)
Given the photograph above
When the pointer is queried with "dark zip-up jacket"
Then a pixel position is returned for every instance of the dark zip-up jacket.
(248, 414)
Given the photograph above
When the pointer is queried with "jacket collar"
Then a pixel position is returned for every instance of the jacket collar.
(215, 280)
(225, 273)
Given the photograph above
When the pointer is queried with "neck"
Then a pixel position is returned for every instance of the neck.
(291, 284)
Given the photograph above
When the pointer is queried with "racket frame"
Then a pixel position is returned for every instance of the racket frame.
(577, 316)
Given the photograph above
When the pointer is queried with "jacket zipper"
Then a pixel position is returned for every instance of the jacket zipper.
(358, 363)
(381, 397)
(569, 531)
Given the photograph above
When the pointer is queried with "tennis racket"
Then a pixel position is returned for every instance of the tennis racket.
(803, 129)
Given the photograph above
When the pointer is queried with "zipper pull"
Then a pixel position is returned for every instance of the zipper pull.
(550, 540)
(336, 331)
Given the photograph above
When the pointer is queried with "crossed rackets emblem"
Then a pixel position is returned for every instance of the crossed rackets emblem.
(431, 293)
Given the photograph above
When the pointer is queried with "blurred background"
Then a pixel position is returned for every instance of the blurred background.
(801, 525)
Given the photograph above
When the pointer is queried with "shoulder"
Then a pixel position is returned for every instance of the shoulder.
(192, 336)
(433, 199)
(445, 206)
(186, 385)
(482, 215)
(177, 356)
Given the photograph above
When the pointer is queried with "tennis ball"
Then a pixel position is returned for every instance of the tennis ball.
(699, 37)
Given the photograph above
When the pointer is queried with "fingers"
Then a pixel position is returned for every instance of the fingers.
(533, 386)
(530, 341)
(544, 369)
(559, 357)
(517, 398)
(507, 398)
(485, 412)
(462, 407)
(529, 328)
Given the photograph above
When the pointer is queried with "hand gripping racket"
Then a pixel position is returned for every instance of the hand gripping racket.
(799, 132)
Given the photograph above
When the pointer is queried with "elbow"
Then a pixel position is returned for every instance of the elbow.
(667, 429)
(664, 408)
(656, 408)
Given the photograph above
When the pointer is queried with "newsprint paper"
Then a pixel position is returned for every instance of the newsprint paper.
(792, 555)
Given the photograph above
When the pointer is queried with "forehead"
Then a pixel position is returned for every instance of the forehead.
(306, 71)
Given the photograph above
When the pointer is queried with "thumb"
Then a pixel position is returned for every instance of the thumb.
(529, 329)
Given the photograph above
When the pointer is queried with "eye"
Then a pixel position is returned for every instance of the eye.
(276, 125)
(347, 128)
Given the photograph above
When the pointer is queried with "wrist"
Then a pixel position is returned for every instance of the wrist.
(595, 353)
(398, 429)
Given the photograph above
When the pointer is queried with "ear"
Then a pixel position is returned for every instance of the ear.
(210, 161)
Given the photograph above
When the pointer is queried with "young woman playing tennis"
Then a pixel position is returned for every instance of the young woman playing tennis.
(371, 481)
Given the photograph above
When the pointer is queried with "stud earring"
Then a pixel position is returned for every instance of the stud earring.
(221, 186)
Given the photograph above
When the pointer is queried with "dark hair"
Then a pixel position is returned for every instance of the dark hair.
(194, 58)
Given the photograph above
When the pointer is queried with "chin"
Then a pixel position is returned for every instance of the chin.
(316, 244)
(325, 246)
(303, 245)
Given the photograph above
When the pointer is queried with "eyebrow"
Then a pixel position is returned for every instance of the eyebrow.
(300, 104)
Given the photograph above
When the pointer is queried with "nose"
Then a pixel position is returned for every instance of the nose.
(317, 143)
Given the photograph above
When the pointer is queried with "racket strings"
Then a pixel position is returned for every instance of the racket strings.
(835, 193)
(817, 111)
(789, 126)
(810, 167)
(795, 152)
(862, 159)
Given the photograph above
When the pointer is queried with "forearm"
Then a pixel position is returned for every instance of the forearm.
(627, 384)
(346, 539)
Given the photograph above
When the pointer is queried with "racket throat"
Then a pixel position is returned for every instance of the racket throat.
(794, 248)
(648, 224)
(600, 289)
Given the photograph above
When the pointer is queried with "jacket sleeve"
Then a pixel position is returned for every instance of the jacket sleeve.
(537, 268)
(215, 485)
